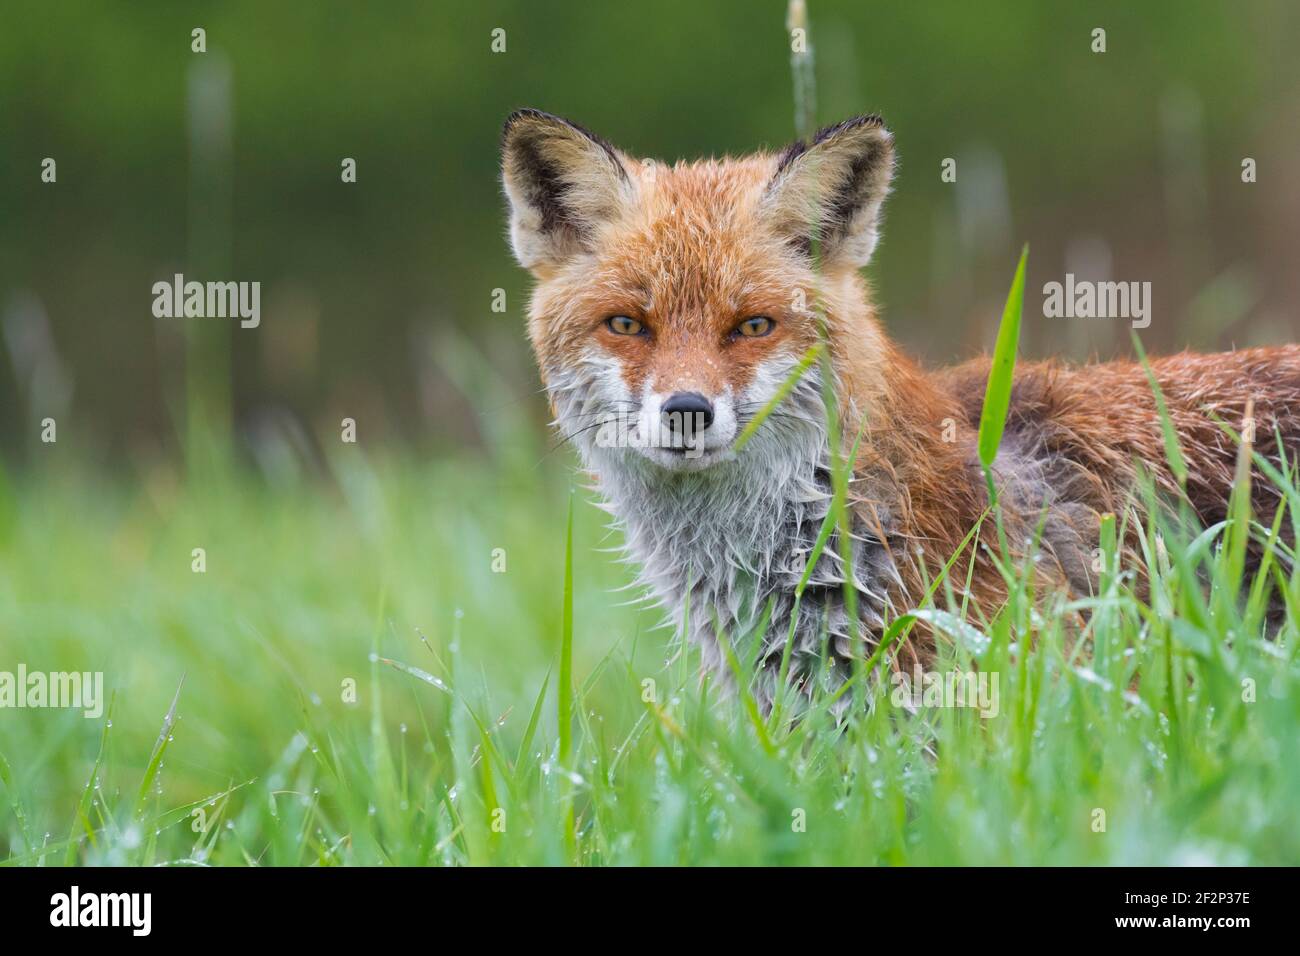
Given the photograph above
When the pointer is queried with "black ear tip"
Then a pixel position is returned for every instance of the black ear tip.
(527, 113)
(523, 116)
(543, 125)
(865, 121)
(540, 120)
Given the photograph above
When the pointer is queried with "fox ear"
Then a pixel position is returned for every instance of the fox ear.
(562, 182)
(832, 190)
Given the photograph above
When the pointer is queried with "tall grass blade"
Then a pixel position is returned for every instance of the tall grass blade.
(809, 359)
(997, 394)
(1173, 450)
(564, 695)
(159, 748)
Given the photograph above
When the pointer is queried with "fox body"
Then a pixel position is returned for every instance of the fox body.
(690, 293)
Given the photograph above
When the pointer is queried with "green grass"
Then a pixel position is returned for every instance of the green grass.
(354, 680)
(533, 694)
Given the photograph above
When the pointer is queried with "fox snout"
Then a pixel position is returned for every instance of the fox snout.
(685, 429)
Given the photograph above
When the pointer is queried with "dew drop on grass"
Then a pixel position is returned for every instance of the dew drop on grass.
(373, 657)
(403, 728)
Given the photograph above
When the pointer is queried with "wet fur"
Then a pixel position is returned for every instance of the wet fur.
(605, 233)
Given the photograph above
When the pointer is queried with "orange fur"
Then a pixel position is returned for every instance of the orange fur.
(690, 250)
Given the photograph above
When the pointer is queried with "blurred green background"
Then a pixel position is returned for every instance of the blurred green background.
(376, 295)
(376, 304)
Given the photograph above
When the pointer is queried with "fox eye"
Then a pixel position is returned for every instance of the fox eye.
(755, 326)
(622, 325)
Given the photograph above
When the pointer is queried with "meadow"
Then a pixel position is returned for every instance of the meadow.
(324, 653)
(407, 662)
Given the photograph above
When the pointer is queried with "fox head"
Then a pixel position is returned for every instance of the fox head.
(673, 302)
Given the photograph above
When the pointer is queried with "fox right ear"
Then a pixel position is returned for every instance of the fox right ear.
(832, 189)
(562, 182)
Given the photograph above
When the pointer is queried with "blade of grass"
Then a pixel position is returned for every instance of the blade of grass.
(997, 394)
(7, 778)
(564, 695)
(1173, 451)
(809, 359)
(87, 794)
(564, 701)
(417, 673)
(159, 748)
(533, 720)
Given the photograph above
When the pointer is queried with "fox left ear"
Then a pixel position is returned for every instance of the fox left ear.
(562, 182)
(832, 190)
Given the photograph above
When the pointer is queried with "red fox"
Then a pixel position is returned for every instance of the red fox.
(676, 300)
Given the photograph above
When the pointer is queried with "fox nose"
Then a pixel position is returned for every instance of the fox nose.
(683, 405)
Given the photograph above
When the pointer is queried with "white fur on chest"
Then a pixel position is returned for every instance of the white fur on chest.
(735, 537)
